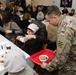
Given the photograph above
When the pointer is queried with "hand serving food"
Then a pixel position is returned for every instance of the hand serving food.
(43, 65)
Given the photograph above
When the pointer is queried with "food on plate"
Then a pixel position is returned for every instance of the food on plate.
(43, 58)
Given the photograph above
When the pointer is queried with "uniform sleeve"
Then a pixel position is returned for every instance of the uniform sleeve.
(64, 42)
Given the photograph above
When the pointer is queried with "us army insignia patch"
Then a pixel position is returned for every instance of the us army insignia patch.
(61, 43)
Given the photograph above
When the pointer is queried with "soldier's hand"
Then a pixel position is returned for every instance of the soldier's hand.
(43, 65)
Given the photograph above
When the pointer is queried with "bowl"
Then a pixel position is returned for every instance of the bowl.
(8, 46)
(43, 58)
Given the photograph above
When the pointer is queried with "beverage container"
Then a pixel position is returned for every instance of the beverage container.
(8, 46)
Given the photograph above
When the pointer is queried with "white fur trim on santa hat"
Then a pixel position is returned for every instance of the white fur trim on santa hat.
(33, 27)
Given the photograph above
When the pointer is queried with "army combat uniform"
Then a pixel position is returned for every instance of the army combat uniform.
(65, 60)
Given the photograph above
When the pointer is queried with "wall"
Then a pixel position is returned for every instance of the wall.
(42, 2)
(53, 2)
(46, 3)
(7, 1)
(28, 2)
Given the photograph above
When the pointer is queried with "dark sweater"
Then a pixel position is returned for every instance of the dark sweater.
(32, 46)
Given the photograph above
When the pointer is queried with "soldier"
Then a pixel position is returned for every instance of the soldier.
(65, 60)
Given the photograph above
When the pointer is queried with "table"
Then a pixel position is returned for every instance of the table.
(13, 46)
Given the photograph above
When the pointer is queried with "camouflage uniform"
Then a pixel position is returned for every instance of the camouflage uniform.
(65, 59)
(52, 32)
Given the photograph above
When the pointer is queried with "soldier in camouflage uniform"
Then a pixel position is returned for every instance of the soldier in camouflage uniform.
(65, 60)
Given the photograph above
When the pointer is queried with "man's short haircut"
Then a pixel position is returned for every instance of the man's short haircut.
(53, 10)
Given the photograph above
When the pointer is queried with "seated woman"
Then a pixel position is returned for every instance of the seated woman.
(72, 13)
(10, 28)
(25, 21)
(1, 25)
(16, 18)
(40, 14)
(65, 11)
(33, 41)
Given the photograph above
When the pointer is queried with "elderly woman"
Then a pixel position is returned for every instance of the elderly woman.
(33, 40)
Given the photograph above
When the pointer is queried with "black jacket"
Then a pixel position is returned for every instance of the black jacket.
(32, 46)
(16, 19)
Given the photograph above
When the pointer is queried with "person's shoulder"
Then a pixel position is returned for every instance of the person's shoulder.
(69, 18)
(74, 15)
(13, 23)
(71, 22)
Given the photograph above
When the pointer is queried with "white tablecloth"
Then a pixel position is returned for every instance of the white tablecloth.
(13, 47)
